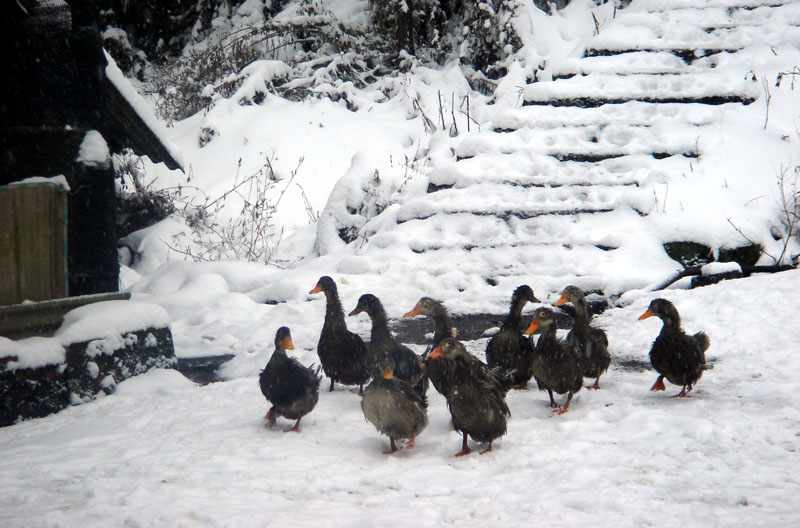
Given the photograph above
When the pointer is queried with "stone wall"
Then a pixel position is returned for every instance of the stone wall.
(91, 367)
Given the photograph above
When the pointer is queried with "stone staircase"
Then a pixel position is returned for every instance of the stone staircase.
(541, 196)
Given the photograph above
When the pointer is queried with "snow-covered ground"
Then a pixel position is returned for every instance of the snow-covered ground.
(162, 451)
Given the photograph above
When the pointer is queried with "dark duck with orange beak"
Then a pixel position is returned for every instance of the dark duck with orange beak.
(393, 407)
(342, 353)
(556, 364)
(509, 350)
(475, 397)
(291, 388)
(674, 354)
(436, 312)
(591, 344)
(407, 365)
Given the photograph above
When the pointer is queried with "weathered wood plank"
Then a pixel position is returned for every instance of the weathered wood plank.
(33, 238)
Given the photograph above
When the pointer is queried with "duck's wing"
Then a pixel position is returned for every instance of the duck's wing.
(410, 394)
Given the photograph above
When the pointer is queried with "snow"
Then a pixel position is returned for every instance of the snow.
(59, 181)
(715, 268)
(93, 150)
(103, 323)
(162, 451)
(140, 106)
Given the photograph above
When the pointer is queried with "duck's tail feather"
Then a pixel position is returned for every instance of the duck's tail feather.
(702, 340)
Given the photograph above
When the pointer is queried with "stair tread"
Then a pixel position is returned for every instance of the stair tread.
(603, 87)
(634, 113)
(524, 168)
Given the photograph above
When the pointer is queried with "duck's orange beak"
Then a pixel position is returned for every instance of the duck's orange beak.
(533, 327)
(647, 314)
(287, 343)
(562, 300)
(413, 312)
(436, 353)
(317, 289)
(387, 373)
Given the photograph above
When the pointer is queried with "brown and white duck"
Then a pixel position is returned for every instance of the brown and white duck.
(590, 343)
(556, 365)
(436, 312)
(393, 407)
(291, 388)
(407, 365)
(509, 350)
(342, 353)
(475, 397)
(675, 355)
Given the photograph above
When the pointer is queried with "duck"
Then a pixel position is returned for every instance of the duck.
(442, 329)
(675, 355)
(509, 349)
(556, 364)
(342, 353)
(437, 313)
(476, 396)
(590, 343)
(290, 387)
(407, 365)
(393, 407)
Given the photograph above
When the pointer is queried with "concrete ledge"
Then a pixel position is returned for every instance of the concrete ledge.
(18, 321)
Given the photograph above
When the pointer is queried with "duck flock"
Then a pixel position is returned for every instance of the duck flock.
(397, 380)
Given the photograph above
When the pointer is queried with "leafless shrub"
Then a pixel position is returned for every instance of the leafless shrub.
(789, 202)
(250, 235)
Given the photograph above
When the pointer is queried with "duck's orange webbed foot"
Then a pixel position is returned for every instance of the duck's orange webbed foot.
(270, 417)
(596, 385)
(392, 449)
(682, 394)
(295, 429)
(658, 385)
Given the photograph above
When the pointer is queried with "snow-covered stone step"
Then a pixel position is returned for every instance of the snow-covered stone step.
(599, 89)
(695, 29)
(470, 231)
(633, 113)
(678, 22)
(527, 169)
(590, 143)
(641, 62)
(505, 201)
(686, 52)
(715, 8)
(747, 5)
(546, 267)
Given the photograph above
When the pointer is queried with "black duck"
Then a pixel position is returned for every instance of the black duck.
(509, 350)
(675, 355)
(291, 388)
(407, 365)
(342, 354)
(436, 312)
(393, 407)
(590, 343)
(556, 365)
(476, 395)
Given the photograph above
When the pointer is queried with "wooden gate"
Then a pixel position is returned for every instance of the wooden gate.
(33, 242)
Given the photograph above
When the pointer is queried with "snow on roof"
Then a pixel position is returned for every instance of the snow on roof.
(140, 106)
